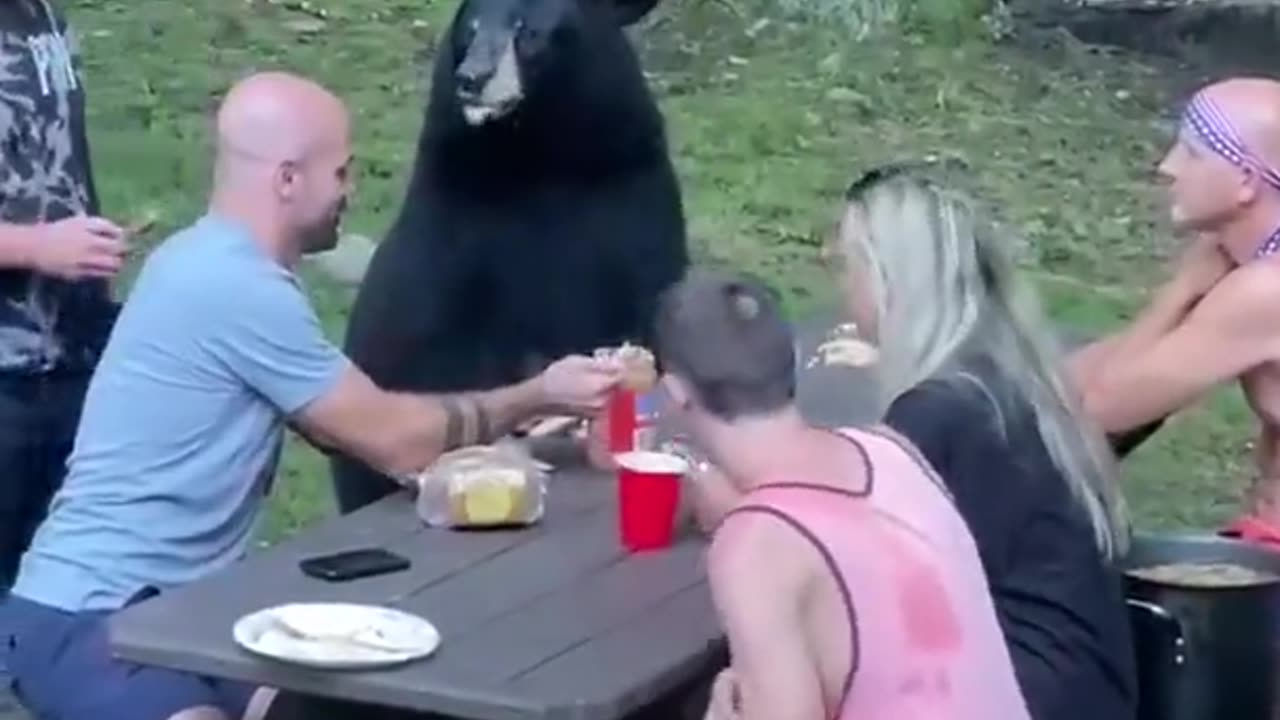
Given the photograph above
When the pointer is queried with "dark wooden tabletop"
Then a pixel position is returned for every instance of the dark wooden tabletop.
(555, 621)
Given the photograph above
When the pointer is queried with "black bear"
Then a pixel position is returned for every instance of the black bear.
(543, 216)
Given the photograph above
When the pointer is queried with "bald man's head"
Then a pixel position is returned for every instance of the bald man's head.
(278, 116)
(283, 143)
(1252, 105)
(1224, 170)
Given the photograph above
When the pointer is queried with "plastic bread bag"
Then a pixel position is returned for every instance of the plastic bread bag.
(498, 485)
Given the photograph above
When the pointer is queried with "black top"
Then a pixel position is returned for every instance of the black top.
(45, 175)
(1059, 602)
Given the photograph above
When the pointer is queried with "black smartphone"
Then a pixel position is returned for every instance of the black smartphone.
(353, 564)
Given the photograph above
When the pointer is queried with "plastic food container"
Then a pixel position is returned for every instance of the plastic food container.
(483, 486)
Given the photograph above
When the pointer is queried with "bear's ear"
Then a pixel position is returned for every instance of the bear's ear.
(630, 11)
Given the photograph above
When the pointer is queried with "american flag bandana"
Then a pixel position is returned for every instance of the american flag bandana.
(1270, 246)
(1209, 123)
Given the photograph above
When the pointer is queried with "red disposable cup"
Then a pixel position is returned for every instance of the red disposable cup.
(648, 495)
(598, 453)
(622, 420)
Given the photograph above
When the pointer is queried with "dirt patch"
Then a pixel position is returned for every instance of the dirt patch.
(1196, 41)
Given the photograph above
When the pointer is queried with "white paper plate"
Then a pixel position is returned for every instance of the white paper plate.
(336, 635)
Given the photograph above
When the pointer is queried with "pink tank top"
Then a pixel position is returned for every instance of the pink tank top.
(926, 644)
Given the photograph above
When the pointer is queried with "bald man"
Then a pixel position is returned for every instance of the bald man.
(215, 352)
(1217, 320)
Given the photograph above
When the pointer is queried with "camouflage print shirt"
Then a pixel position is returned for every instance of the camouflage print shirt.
(45, 324)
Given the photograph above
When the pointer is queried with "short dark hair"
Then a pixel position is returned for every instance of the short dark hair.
(726, 336)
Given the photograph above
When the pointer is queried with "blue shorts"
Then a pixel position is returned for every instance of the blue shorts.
(61, 667)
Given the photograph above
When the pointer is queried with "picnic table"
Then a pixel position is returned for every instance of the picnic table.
(553, 622)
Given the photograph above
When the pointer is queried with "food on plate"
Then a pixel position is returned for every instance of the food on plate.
(368, 636)
(1194, 574)
(336, 634)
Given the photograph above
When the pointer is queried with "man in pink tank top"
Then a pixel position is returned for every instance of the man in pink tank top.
(845, 579)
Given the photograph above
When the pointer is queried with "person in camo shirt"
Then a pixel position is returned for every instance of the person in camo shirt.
(56, 260)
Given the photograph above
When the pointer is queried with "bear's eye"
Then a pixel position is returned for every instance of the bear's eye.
(528, 34)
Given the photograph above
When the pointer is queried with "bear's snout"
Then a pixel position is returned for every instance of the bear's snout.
(488, 79)
(470, 78)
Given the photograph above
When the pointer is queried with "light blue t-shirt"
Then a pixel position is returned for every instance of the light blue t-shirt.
(183, 423)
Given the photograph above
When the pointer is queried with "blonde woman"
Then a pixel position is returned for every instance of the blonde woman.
(969, 374)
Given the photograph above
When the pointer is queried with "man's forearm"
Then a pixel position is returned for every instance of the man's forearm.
(17, 245)
(1125, 363)
(430, 425)
(481, 417)
(1088, 365)
(1165, 312)
(1083, 363)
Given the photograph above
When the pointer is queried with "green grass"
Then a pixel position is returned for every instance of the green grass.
(768, 119)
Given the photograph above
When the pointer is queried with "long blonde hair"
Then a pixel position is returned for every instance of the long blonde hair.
(946, 290)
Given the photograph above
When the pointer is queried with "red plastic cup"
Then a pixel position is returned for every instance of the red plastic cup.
(622, 420)
(648, 495)
(598, 453)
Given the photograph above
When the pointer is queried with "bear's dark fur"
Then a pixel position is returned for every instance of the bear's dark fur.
(546, 231)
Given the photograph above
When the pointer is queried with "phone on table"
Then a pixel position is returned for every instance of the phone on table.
(353, 564)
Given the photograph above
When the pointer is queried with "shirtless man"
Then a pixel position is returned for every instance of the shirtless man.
(1218, 318)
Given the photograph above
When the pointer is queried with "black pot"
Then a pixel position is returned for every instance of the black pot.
(1204, 653)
